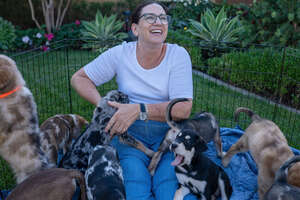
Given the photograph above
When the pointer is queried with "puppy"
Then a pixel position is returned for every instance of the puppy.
(103, 176)
(19, 129)
(50, 184)
(204, 123)
(281, 189)
(195, 172)
(267, 145)
(58, 132)
(95, 135)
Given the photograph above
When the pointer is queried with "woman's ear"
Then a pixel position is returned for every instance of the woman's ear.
(134, 29)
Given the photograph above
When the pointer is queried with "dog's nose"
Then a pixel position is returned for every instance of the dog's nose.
(174, 146)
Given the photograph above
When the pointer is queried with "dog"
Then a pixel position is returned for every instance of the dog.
(268, 147)
(103, 176)
(280, 188)
(50, 184)
(77, 157)
(204, 123)
(20, 138)
(195, 172)
(58, 132)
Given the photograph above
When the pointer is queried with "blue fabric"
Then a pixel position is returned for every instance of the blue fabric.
(242, 170)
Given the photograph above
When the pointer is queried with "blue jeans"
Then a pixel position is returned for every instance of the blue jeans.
(139, 184)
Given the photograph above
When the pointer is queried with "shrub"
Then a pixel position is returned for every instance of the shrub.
(259, 70)
(29, 38)
(272, 22)
(181, 11)
(7, 35)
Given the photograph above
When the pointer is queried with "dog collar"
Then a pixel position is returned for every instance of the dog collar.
(10, 92)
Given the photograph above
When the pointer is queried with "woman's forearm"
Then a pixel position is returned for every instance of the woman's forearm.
(181, 110)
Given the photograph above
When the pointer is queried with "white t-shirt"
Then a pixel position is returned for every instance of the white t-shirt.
(172, 78)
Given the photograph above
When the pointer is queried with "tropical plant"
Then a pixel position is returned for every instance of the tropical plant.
(7, 34)
(216, 29)
(105, 29)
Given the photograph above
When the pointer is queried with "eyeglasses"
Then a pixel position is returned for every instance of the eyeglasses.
(151, 18)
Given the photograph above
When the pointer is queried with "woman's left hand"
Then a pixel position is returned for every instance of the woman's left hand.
(126, 114)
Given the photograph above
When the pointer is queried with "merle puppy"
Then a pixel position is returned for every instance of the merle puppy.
(195, 172)
(77, 157)
(203, 123)
(103, 177)
(280, 188)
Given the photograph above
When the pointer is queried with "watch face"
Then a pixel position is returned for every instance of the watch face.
(143, 116)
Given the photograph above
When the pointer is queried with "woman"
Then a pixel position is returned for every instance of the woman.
(151, 73)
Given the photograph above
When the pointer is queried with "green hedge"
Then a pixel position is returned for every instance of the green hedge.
(262, 73)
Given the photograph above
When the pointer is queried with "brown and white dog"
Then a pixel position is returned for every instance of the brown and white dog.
(58, 132)
(268, 147)
(50, 184)
(19, 128)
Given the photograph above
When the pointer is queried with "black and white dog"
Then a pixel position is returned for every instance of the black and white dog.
(103, 176)
(77, 157)
(280, 188)
(203, 123)
(195, 172)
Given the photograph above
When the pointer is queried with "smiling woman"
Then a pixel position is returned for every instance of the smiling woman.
(151, 72)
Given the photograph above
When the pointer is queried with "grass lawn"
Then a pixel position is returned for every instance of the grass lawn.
(48, 76)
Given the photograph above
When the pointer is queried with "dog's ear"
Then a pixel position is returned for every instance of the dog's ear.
(201, 144)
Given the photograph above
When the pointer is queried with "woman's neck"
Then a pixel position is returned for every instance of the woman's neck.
(150, 56)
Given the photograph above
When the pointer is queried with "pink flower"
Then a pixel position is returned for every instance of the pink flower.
(77, 22)
(49, 36)
(45, 48)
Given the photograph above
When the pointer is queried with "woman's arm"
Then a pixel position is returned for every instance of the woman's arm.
(85, 87)
(128, 113)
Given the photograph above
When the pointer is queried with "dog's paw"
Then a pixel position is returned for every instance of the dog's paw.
(178, 195)
(223, 154)
(225, 161)
(151, 169)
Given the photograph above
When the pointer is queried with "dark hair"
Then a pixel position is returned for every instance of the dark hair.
(135, 17)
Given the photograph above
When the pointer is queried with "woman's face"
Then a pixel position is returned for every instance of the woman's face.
(151, 33)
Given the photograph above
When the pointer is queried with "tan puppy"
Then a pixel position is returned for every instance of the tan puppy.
(267, 145)
(50, 184)
(57, 133)
(19, 128)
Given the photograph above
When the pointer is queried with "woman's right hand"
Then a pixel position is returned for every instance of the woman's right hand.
(125, 116)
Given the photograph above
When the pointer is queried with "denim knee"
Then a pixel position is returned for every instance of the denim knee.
(137, 178)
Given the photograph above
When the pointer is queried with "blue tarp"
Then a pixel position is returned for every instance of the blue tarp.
(242, 169)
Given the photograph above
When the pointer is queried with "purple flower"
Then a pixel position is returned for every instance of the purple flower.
(77, 22)
(45, 48)
(49, 36)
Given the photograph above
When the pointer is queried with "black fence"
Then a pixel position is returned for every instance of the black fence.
(221, 82)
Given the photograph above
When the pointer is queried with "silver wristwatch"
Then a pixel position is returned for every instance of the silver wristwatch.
(143, 113)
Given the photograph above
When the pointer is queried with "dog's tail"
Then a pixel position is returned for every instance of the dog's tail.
(282, 172)
(169, 120)
(79, 177)
(249, 112)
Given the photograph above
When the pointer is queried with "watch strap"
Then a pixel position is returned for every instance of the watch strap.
(142, 107)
